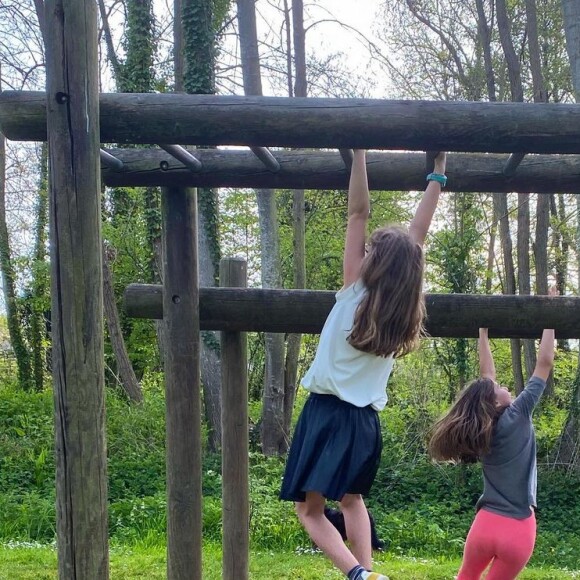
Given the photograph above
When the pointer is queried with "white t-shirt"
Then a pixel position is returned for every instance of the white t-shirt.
(339, 369)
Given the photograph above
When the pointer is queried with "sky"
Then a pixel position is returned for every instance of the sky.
(360, 15)
(330, 36)
(333, 26)
(325, 34)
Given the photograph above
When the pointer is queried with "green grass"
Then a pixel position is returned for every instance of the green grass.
(140, 562)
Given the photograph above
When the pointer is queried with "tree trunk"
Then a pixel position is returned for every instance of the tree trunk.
(490, 256)
(571, 13)
(484, 34)
(293, 341)
(541, 243)
(209, 252)
(510, 283)
(288, 34)
(198, 63)
(178, 56)
(567, 454)
(40, 279)
(557, 242)
(273, 436)
(111, 52)
(484, 37)
(517, 94)
(540, 94)
(566, 244)
(13, 317)
(560, 251)
(570, 438)
(198, 47)
(274, 441)
(133, 75)
(300, 85)
(298, 218)
(523, 242)
(127, 377)
(39, 332)
(542, 206)
(541, 258)
(512, 60)
(154, 270)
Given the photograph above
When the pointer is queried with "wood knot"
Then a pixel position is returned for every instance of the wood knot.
(61, 98)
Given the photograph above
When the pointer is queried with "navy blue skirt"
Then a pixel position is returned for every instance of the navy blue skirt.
(336, 449)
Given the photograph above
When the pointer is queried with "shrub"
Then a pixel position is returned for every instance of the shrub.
(27, 517)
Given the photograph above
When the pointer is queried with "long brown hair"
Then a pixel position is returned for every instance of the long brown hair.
(464, 434)
(389, 319)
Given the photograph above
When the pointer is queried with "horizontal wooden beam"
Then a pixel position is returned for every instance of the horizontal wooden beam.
(316, 169)
(318, 123)
(304, 311)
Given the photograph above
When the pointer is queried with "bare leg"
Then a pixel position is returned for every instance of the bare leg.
(358, 528)
(323, 533)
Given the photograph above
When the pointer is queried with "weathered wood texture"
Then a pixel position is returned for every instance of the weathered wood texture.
(235, 444)
(308, 122)
(448, 315)
(182, 385)
(315, 169)
(77, 298)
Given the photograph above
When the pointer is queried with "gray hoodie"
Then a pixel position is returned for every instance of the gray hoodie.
(509, 469)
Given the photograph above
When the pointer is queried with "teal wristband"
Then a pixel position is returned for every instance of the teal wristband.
(442, 179)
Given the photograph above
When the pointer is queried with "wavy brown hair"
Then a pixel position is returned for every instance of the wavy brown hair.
(464, 434)
(389, 319)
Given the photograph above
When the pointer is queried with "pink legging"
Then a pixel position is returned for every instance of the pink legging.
(506, 542)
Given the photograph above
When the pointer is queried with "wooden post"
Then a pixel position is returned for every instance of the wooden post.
(235, 451)
(182, 384)
(72, 104)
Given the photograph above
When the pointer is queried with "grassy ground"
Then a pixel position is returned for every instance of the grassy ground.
(39, 563)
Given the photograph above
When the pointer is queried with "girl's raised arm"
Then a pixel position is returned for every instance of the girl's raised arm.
(527, 400)
(422, 220)
(486, 364)
(359, 206)
(545, 357)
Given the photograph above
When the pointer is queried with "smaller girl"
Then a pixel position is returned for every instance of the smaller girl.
(486, 425)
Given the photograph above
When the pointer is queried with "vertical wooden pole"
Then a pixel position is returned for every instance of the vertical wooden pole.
(182, 384)
(235, 452)
(77, 298)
